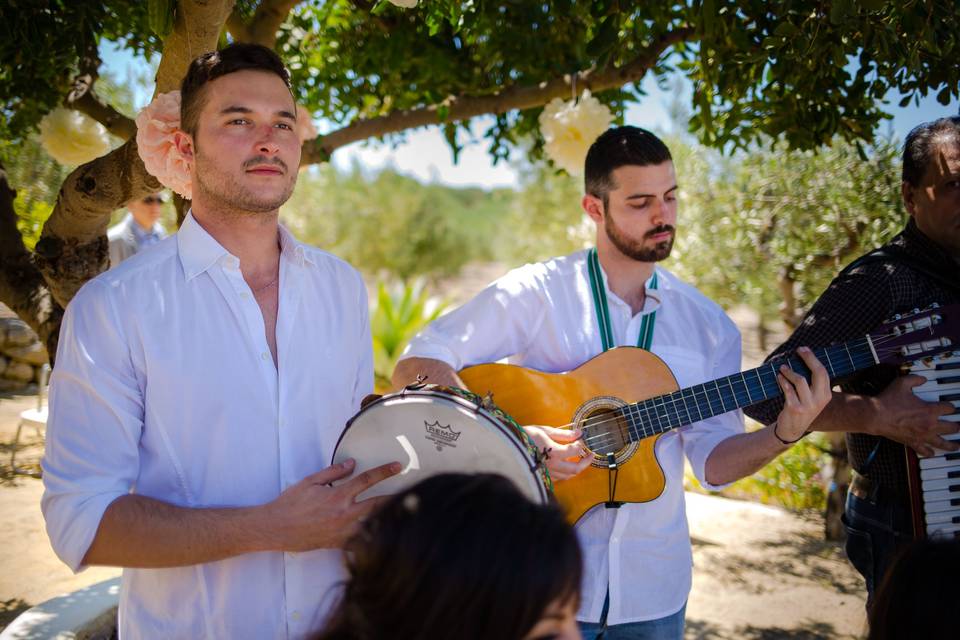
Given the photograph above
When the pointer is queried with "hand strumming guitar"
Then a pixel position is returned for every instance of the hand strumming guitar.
(566, 456)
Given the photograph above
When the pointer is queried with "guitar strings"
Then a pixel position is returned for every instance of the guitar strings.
(606, 438)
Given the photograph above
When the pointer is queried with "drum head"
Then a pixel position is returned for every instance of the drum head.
(431, 433)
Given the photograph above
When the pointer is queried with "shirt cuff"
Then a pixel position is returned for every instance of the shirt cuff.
(72, 524)
(699, 452)
(434, 351)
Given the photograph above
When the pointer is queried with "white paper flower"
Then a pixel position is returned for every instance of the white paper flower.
(569, 128)
(73, 138)
(404, 4)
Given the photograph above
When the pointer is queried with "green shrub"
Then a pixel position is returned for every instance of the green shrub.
(793, 480)
(400, 311)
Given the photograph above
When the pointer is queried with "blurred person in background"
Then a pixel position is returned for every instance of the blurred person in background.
(139, 229)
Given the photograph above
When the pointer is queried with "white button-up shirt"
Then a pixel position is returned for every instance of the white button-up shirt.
(164, 386)
(541, 316)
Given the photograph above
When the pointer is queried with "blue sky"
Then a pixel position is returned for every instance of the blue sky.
(426, 156)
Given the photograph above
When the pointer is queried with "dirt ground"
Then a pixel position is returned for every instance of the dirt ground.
(760, 572)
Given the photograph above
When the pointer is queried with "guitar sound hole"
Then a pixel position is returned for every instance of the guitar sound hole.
(605, 431)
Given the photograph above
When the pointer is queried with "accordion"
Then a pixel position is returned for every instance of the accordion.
(935, 480)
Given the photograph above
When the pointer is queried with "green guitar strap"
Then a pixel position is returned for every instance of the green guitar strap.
(599, 291)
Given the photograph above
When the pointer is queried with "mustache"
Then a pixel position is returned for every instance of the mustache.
(663, 228)
(252, 162)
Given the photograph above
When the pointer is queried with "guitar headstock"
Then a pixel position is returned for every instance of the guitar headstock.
(918, 334)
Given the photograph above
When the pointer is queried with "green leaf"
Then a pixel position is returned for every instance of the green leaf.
(840, 10)
(944, 96)
(450, 133)
(786, 30)
(605, 38)
(708, 17)
(160, 16)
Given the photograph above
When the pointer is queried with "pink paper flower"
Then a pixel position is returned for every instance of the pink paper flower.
(305, 129)
(156, 125)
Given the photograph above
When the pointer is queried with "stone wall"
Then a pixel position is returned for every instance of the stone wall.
(21, 353)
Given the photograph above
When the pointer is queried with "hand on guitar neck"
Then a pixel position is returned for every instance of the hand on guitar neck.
(803, 402)
(563, 450)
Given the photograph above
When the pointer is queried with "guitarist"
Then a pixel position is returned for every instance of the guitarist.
(556, 315)
(877, 409)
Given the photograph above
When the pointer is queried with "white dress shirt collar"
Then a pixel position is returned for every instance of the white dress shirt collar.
(198, 250)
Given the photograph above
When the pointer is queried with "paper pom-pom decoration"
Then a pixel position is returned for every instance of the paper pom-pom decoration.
(156, 125)
(73, 138)
(569, 128)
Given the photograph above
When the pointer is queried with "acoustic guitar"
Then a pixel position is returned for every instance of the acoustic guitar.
(625, 398)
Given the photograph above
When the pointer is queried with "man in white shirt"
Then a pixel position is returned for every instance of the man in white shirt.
(139, 229)
(200, 388)
(549, 316)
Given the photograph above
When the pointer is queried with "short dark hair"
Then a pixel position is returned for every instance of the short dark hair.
(457, 555)
(618, 147)
(913, 600)
(239, 56)
(922, 143)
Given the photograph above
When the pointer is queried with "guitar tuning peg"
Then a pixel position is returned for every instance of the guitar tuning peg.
(915, 311)
(897, 316)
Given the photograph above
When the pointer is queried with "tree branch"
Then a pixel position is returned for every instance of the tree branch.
(263, 27)
(196, 31)
(21, 284)
(73, 244)
(267, 20)
(238, 27)
(839, 254)
(83, 99)
(465, 107)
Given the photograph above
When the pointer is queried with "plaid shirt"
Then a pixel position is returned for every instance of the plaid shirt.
(854, 304)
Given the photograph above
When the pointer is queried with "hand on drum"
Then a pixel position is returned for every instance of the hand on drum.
(312, 514)
(803, 402)
(566, 455)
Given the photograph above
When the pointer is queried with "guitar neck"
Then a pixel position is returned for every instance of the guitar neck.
(692, 404)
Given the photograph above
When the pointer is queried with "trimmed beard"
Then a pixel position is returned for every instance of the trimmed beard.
(233, 194)
(635, 250)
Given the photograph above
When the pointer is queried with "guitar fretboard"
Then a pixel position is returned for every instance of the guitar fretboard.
(692, 404)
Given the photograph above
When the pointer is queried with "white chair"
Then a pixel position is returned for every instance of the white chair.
(36, 418)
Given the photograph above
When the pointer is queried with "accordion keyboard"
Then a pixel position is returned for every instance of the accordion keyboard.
(940, 473)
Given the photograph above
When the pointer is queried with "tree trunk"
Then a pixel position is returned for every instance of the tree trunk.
(22, 286)
(73, 244)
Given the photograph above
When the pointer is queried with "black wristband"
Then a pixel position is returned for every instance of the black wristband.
(788, 442)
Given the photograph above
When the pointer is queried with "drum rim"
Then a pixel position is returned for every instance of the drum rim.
(517, 442)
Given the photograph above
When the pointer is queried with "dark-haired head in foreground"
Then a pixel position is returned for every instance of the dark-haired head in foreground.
(461, 556)
(918, 593)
